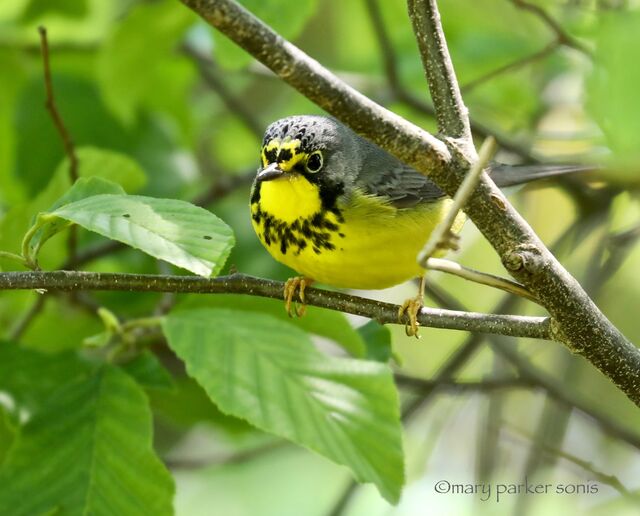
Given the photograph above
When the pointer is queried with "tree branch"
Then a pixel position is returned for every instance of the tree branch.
(513, 65)
(451, 113)
(464, 387)
(65, 136)
(578, 321)
(384, 313)
(562, 35)
(235, 104)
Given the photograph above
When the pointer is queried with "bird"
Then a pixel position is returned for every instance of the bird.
(339, 210)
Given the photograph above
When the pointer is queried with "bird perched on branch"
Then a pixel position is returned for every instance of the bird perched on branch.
(340, 210)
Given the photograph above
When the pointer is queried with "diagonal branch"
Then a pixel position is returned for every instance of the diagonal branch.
(384, 313)
(513, 65)
(562, 35)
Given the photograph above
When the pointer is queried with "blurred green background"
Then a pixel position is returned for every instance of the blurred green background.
(150, 80)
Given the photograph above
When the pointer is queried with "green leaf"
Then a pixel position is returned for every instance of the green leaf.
(135, 41)
(84, 187)
(88, 451)
(7, 433)
(319, 321)
(30, 376)
(377, 338)
(175, 231)
(188, 405)
(106, 164)
(147, 370)
(38, 8)
(258, 368)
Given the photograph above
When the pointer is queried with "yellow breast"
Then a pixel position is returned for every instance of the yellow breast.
(363, 243)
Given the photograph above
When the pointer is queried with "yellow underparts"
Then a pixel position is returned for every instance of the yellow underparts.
(374, 245)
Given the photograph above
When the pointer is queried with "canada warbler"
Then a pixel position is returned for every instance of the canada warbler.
(338, 209)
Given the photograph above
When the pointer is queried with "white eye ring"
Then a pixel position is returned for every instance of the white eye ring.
(314, 162)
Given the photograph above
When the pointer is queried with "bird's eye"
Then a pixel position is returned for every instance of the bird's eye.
(314, 162)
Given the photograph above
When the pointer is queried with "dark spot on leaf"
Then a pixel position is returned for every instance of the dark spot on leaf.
(207, 237)
(126, 215)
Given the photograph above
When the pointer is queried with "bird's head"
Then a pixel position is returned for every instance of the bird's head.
(317, 149)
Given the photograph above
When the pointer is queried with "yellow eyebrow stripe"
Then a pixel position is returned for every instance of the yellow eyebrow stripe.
(287, 154)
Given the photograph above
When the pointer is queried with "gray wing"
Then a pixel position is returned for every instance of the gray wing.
(402, 186)
(405, 187)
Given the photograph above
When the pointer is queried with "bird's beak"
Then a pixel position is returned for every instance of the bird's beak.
(271, 171)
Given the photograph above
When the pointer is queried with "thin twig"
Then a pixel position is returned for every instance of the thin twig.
(483, 278)
(53, 109)
(604, 478)
(240, 457)
(563, 36)
(459, 387)
(510, 67)
(22, 325)
(442, 235)
(65, 136)
(236, 105)
(385, 313)
(345, 497)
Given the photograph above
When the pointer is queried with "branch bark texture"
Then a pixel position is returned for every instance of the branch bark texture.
(384, 313)
(578, 322)
(451, 113)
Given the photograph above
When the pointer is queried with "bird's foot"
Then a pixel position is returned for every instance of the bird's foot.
(408, 314)
(292, 286)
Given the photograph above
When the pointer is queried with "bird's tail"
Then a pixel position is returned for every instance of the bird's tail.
(511, 175)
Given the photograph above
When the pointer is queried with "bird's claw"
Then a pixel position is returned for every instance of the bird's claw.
(408, 314)
(292, 286)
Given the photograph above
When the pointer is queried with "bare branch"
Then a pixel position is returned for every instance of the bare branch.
(562, 35)
(23, 323)
(451, 113)
(206, 68)
(604, 478)
(510, 67)
(458, 387)
(65, 136)
(53, 109)
(384, 313)
(483, 278)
